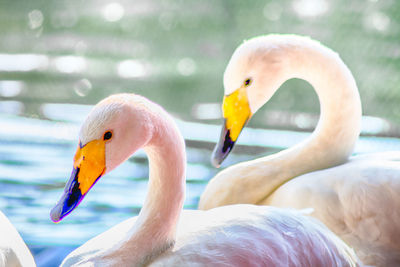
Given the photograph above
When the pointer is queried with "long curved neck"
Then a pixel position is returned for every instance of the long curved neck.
(155, 228)
(338, 128)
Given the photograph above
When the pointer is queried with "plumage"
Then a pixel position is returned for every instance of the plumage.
(356, 199)
(162, 235)
(13, 250)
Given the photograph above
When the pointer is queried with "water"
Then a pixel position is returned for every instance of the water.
(57, 59)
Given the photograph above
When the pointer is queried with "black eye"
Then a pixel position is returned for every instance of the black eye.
(247, 82)
(107, 135)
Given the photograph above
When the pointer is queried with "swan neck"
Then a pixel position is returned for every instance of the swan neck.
(155, 229)
(338, 128)
(167, 164)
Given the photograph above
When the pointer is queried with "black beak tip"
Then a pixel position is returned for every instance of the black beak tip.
(55, 213)
(64, 206)
(69, 200)
(222, 148)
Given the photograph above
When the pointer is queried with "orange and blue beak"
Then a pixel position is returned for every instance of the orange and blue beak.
(89, 166)
(236, 112)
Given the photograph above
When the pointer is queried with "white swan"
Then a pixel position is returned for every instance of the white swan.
(238, 235)
(13, 250)
(359, 199)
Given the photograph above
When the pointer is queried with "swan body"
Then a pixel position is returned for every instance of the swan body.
(356, 199)
(162, 235)
(13, 250)
(220, 238)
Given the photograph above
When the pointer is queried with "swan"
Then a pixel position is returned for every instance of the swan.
(236, 235)
(13, 250)
(357, 197)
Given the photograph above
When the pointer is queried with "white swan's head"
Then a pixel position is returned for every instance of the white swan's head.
(114, 129)
(255, 71)
(259, 66)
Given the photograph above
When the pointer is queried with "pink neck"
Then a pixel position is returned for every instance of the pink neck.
(155, 227)
(166, 192)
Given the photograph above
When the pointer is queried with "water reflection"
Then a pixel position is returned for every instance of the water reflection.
(23, 62)
(12, 107)
(82, 87)
(377, 21)
(35, 19)
(207, 111)
(186, 66)
(11, 88)
(131, 69)
(70, 64)
(65, 112)
(310, 8)
(113, 12)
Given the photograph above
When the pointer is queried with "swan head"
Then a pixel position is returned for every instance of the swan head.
(255, 71)
(114, 129)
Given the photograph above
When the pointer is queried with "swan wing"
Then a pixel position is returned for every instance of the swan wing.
(358, 200)
(248, 235)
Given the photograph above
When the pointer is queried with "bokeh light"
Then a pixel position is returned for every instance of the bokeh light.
(113, 12)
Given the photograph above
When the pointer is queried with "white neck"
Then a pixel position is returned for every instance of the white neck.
(155, 228)
(338, 128)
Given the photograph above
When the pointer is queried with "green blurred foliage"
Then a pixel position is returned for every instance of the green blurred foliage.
(160, 33)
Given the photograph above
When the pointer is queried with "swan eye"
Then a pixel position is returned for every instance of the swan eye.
(247, 82)
(107, 135)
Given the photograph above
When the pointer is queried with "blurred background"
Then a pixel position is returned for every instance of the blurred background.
(58, 58)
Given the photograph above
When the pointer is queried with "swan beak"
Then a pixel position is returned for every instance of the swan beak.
(89, 166)
(236, 112)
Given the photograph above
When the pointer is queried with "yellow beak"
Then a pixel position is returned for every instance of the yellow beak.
(236, 112)
(91, 162)
(89, 166)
